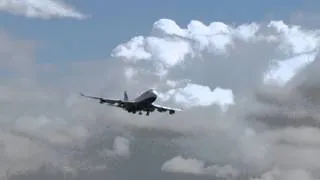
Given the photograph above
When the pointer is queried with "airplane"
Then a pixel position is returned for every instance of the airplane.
(144, 102)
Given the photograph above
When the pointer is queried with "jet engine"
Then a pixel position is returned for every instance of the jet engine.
(171, 112)
(161, 110)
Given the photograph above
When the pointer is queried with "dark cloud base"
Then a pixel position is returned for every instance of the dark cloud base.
(149, 150)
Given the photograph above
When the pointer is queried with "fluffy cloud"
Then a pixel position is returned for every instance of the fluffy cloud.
(286, 175)
(251, 92)
(180, 165)
(197, 95)
(120, 147)
(199, 50)
(44, 9)
(284, 70)
(252, 67)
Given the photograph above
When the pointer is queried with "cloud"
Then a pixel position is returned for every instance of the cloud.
(44, 9)
(180, 165)
(287, 174)
(120, 147)
(284, 70)
(195, 52)
(256, 66)
(197, 95)
(251, 92)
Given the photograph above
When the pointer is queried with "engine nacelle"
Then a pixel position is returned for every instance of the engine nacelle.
(119, 105)
(161, 110)
(171, 112)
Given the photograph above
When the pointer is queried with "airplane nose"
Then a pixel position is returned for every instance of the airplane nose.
(153, 91)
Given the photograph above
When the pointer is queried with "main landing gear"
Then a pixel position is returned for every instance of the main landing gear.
(139, 112)
(147, 113)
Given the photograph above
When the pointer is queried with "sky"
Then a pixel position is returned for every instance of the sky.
(125, 21)
(245, 73)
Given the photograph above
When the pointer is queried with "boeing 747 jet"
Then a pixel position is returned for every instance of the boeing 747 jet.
(144, 102)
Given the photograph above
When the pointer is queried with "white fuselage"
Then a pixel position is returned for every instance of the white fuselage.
(147, 97)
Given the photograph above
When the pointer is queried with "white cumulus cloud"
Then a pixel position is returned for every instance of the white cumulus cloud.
(196, 51)
(179, 164)
(197, 95)
(44, 9)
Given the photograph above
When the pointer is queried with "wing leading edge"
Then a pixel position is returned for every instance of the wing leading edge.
(114, 102)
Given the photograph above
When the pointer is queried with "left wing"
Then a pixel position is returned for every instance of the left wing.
(164, 109)
(118, 103)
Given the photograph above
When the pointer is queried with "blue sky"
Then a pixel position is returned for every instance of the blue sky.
(113, 22)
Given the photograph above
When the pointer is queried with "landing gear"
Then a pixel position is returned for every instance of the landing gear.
(140, 112)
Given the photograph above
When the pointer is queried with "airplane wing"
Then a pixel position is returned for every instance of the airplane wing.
(114, 102)
(164, 109)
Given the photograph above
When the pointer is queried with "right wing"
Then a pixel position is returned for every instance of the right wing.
(164, 109)
(113, 102)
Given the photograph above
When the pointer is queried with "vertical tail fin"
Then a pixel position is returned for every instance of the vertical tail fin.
(125, 96)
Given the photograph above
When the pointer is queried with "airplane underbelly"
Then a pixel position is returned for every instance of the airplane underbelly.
(145, 104)
(149, 100)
